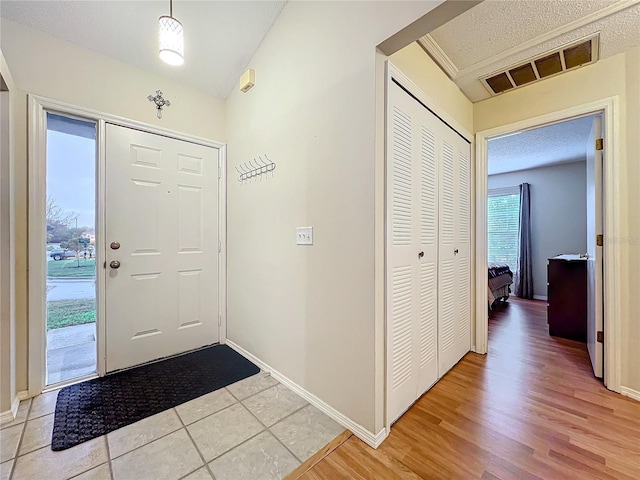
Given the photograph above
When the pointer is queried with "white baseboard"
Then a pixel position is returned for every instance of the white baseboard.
(371, 439)
(378, 439)
(630, 392)
(10, 415)
(540, 297)
(6, 417)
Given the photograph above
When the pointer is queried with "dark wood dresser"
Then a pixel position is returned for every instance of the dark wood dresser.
(567, 297)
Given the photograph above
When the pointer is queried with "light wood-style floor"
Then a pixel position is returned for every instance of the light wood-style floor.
(531, 408)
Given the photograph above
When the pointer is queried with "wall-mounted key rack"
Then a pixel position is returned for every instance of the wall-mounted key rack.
(255, 168)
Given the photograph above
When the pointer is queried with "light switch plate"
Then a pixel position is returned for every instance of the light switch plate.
(304, 235)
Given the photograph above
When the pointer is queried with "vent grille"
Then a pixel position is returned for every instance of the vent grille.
(571, 56)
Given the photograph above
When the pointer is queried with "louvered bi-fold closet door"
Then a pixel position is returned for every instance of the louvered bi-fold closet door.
(454, 298)
(412, 224)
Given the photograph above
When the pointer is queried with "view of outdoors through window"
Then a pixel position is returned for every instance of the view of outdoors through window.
(71, 262)
(503, 215)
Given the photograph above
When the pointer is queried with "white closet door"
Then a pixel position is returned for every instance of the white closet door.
(428, 245)
(463, 257)
(454, 299)
(411, 251)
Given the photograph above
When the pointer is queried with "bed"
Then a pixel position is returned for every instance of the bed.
(500, 280)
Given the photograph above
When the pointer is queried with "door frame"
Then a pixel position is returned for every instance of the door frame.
(609, 108)
(394, 72)
(37, 109)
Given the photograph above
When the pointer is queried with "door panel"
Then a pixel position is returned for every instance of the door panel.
(454, 298)
(162, 208)
(427, 281)
(412, 172)
(463, 247)
(401, 269)
(428, 276)
(594, 260)
(402, 333)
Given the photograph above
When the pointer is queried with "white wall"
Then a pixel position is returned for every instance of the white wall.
(615, 76)
(48, 66)
(558, 212)
(45, 65)
(309, 311)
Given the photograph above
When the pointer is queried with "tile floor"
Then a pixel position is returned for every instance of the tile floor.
(254, 429)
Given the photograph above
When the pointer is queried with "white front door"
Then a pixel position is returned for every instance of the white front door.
(162, 246)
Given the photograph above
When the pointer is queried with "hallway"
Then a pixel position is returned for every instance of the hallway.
(531, 408)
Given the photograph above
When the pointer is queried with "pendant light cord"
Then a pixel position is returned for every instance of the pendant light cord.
(171, 8)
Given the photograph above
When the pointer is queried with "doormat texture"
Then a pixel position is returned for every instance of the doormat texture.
(96, 407)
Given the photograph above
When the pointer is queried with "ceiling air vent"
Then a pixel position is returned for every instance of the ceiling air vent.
(549, 64)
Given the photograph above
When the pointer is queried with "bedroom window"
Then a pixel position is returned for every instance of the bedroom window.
(503, 215)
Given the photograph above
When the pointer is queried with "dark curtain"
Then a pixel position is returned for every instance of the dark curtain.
(524, 277)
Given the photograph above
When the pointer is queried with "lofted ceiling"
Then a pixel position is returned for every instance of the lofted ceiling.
(220, 36)
(555, 144)
(497, 34)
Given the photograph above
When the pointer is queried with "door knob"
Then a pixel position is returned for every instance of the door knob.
(114, 264)
(421, 254)
(455, 252)
(115, 245)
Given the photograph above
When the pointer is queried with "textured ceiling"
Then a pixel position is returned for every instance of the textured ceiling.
(497, 34)
(220, 36)
(550, 145)
(498, 26)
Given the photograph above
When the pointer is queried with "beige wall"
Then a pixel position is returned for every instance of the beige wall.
(425, 73)
(309, 311)
(53, 68)
(615, 76)
(7, 270)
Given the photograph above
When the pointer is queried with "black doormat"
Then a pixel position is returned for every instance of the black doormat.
(96, 407)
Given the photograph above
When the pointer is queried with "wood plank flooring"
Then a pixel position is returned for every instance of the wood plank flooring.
(529, 409)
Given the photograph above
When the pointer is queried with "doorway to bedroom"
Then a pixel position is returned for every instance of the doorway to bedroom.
(544, 213)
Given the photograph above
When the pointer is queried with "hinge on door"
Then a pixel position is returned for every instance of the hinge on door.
(219, 168)
(219, 246)
(600, 336)
(599, 240)
(599, 143)
(219, 320)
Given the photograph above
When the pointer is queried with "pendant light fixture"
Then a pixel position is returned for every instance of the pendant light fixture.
(171, 38)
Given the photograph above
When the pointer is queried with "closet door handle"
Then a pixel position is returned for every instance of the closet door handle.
(455, 252)
(421, 254)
